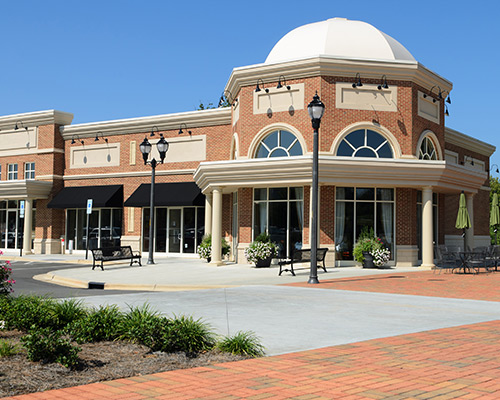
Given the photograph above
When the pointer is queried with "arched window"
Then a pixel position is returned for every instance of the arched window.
(279, 144)
(427, 150)
(365, 143)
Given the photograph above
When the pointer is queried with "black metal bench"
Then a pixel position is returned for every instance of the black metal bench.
(115, 253)
(302, 256)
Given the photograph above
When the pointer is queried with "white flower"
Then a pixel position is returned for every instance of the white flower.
(2, 325)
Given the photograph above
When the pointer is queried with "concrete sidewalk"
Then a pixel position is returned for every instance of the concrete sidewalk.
(173, 274)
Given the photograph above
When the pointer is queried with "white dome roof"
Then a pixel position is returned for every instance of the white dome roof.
(340, 38)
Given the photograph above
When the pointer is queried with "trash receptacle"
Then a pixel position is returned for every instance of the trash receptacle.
(70, 247)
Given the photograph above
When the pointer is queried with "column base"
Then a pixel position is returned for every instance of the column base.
(217, 263)
(427, 266)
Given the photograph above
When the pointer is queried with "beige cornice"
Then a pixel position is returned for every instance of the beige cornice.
(343, 171)
(36, 118)
(158, 172)
(467, 142)
(329, 66)
(192, 119)
(25, 189)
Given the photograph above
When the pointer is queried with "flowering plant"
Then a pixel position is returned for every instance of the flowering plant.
(380, 256)
(367, 243)
(204, 249)
(260, 249)
(5, 280)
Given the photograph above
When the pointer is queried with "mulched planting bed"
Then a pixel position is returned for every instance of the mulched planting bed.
(101, 361)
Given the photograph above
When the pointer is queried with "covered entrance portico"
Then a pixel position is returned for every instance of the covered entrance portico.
(16, 229)
(405, 176)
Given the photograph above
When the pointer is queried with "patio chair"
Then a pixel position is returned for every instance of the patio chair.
(445, 261)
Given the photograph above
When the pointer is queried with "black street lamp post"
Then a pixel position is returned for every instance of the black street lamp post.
(316, 109)
(145, 147)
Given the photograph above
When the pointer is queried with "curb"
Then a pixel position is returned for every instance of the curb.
(75, 283)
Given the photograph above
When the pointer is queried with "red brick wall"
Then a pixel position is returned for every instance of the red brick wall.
(406, 216)
(327, 215)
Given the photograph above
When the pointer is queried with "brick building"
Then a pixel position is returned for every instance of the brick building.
(386, 160)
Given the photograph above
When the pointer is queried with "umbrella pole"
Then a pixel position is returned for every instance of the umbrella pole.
(465, 240)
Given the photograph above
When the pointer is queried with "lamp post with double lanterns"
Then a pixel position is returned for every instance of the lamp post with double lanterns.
(316, 109)
(145, 147)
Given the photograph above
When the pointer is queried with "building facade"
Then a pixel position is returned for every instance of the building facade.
(386, 161)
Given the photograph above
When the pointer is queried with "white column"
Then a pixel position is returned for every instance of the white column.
(28, 215)
(427, 231)
(216, 226)
(469, 233)
(208, 213)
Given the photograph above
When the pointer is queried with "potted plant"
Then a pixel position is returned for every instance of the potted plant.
(204, 249)
(261, 251)
(370, 250)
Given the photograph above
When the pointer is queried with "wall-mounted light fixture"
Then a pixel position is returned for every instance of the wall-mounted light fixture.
(439, 93)
(19, 125)
(153, 129)
(383, 83)
(77, 138)
(284, 83)
(99, 133)
(186, 128)
(447, 96)
(226, 99)
(358, 82)
(496, 170)
(258, 89)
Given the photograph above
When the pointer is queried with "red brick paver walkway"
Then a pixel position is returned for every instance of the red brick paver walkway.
(483, 286)
(453, 363)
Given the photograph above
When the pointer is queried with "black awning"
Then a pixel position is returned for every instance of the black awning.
(77, 196)
(167, 194)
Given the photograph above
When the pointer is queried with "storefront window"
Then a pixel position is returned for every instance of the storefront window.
(279, 212)
(178, 230)
(357, 208)
(105, 228)
(12, 225)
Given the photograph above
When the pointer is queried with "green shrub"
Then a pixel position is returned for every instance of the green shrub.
(23, 312)
(188, 335)
(99, 324)
(66, 312)
(7, 348)
(144, 326)
(49, 346)
(244, 343)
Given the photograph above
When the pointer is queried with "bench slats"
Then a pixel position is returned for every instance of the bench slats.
(302, 256)
(115, 253)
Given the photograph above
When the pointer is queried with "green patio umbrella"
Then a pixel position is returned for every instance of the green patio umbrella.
(495, 215)
(463, 219)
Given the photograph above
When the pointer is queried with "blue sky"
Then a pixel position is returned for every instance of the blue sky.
(104, 60)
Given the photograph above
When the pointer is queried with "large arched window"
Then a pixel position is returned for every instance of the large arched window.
(365, 143)
(279, 144)
(427, 150)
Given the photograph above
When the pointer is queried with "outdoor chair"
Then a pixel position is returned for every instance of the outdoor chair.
(445, 260)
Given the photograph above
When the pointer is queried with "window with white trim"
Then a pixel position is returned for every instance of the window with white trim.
(365, 143)
(279, 144)
(29, 170)
(427, 150)
(12, 172)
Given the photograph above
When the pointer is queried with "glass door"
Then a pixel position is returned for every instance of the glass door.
(11, 229)
(174, 230)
